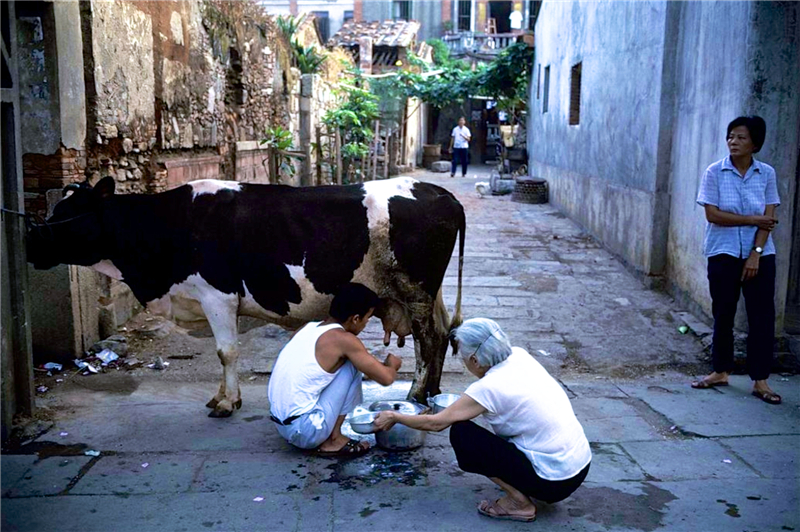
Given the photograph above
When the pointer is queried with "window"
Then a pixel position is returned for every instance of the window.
(546, 96)
(538, 80)
(575, 96)
(323, 25)
(464, 16)
(401, 10)
(348, 15)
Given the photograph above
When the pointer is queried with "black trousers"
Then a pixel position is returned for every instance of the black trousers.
(725, 284)
(460, 155)
(482, 452)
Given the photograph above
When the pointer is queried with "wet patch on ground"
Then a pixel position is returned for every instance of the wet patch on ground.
(403, 468)
(111, 383)
(613, 508)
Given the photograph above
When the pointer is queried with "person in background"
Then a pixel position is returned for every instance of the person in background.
(740, 195)
(538, 448)
(459, 147)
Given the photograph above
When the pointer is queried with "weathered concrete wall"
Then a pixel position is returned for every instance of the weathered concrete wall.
(124, 81)
(602, 172)
(72, 93)
(38, 78)
(763, 79)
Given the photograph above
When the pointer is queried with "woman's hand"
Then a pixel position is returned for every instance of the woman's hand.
(765, 222)
(385, 420)
(750, 266)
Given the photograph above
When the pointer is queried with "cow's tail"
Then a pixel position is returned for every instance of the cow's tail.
(462, 227)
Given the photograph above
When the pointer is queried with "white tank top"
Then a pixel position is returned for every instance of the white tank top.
(297, 378)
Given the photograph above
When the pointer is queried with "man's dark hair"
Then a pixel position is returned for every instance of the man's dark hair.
(353, 299)
(755, 125)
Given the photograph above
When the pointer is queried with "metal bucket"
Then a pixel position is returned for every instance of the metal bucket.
(400, 437)
(442, 401)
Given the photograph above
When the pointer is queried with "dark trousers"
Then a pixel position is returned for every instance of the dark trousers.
(725, 284)
(460, 155)
(482, 452)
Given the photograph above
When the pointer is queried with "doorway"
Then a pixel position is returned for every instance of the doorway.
(500, 11)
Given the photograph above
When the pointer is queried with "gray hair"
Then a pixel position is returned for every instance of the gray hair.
(483, 338)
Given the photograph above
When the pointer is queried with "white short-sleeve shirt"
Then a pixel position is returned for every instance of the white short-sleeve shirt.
(459, 134)
(526, 406)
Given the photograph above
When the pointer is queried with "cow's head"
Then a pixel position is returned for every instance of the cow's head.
(72, 235)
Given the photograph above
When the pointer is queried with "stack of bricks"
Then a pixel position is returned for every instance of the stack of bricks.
(47, 172)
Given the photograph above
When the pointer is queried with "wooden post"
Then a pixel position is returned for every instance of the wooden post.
(338, 149)
(403, 133)
(319, 155)
(376, 142)
(387, 154)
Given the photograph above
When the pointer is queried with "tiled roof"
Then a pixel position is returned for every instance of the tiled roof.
(400, 33)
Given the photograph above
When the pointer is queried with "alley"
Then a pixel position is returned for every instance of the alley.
(666, 457)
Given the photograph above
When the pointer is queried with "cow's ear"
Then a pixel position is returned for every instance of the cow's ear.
(104, 188)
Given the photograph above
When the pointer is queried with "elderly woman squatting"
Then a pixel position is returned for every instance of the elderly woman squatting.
(538, 448)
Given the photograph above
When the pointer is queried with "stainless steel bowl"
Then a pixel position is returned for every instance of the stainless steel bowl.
(400, 437)
(362, 423)
(442, 401)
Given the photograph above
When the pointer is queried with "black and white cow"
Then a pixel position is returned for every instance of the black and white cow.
(215, 250)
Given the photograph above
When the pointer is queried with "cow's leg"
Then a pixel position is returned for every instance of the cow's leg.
(221, 312)
(429, 326)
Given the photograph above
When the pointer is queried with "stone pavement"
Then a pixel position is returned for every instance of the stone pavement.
(666, 457)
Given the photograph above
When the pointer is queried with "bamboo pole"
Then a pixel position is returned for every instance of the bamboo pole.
(338, 149)
(319, 155)
(376, 143)
(387, 155)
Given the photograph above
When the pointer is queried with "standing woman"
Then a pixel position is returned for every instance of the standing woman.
(740, 194)
(459, 146)
(538, 448)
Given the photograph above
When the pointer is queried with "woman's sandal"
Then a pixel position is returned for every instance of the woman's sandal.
(495, 511)
(351, 449)
(768, 397)
(704, 384)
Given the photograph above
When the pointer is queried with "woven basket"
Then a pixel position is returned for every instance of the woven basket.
(530, 190)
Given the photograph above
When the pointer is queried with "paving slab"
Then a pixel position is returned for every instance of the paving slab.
(763, 505)
(140, 473)
(596, 408)
(770, 456)
(610, 463)
(591, 389)
(687, 460)
(729, 411)
(49, 476)
(13, 468)
(618, 429)
(185, 512)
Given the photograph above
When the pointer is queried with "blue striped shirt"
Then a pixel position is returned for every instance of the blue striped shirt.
(724, 187)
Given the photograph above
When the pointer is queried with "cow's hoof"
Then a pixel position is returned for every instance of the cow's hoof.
(238, 404)
(212, 403)
(217, 412)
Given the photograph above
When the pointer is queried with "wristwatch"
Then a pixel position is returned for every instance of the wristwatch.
(758, 249)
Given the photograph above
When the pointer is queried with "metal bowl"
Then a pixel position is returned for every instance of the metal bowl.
(400, 437)
(442, 401)
(362, 423)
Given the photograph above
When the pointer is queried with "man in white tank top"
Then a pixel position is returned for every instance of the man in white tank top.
(316, 380)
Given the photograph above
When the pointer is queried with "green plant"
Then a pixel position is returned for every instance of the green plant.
(277, 142)
(288, 26)
(359, 108)
(308, 59)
